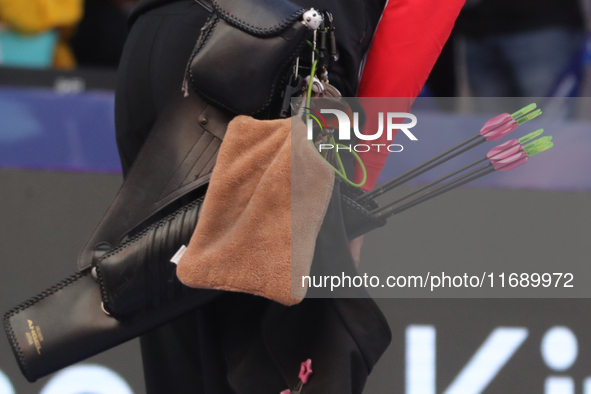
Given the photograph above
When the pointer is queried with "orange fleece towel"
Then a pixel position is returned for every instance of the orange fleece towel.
(264, 206)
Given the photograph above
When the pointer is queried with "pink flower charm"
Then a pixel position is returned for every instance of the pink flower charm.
(305, 371)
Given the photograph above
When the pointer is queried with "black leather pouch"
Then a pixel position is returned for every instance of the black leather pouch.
(246, 52)
(134, 289)
(68, 322)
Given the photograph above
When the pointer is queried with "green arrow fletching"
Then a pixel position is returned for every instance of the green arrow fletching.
(539, 149)
(530, 136)
(529, 117)
(524, 111)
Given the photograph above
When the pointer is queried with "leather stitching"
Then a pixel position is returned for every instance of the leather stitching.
(28, 304)
(153, 226)
(104, 294)
(273, 85)
(212, 22)
(15, 345)
(254, 30)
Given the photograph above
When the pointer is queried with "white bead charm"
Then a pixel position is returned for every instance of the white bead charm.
(312, 18)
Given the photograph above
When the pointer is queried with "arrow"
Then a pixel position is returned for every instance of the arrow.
(501, 125)
(506, 163)
(499, 152)
(494, 129)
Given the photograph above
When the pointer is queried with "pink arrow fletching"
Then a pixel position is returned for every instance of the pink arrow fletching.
(504, 150)
(511, 162)
(503, 125)
(494, 123)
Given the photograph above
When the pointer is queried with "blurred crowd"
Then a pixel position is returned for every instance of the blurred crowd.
(63, 33)
(499, 48)
(516, 48)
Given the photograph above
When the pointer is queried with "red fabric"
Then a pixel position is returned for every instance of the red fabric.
(407, 42)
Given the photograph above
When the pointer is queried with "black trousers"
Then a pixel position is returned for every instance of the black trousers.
(150, 73)
(238, 344)
(152, 69)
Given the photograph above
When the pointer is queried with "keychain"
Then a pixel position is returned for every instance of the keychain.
(305, 372)
(315, 87)
(314, 20)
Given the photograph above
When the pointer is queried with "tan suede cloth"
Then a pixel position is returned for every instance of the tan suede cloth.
(266, 200)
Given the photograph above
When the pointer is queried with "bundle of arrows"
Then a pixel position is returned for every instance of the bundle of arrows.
(504, 157)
